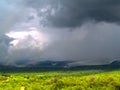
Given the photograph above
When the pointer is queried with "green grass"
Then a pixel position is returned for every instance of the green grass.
(61, 80)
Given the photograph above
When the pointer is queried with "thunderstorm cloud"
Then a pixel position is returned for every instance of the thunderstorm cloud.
(84, 31)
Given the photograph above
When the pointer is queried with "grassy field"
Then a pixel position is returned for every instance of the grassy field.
(61, 80)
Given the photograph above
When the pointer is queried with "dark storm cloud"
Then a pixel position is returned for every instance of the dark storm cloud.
(89, 44)
(4, 45)
(84, 31)
(72, 13)
(10, 14)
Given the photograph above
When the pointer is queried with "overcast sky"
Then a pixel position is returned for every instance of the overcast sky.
(84, 31)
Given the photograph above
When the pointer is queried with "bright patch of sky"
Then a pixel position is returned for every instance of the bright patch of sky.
(31, 38)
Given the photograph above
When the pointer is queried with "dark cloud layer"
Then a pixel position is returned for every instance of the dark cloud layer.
(85, 31)
(72, 13)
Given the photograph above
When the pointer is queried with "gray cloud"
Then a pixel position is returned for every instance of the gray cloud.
(90, 43)
(80, 30)
(72, 13)
(11, 14)
(4, 46)
(61, 13)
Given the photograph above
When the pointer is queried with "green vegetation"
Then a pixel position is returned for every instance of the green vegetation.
(61, 80)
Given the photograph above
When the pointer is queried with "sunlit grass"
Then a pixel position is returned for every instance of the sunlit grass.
(62, 80)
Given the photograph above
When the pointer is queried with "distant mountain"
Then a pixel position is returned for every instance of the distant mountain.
(59, 64)
(42, 62)
(22, 62)
(50, 63)
(115, 63)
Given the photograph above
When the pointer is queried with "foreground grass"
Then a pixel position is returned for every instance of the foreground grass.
(64, 80)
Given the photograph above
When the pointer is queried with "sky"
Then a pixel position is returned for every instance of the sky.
(86, 32)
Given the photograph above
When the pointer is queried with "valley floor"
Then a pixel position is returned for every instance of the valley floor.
(61, 80)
